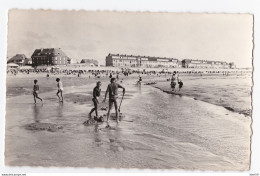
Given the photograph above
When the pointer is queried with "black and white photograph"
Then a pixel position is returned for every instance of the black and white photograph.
(102, 89)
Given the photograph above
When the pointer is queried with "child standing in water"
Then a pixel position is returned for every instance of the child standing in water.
(96, 94)
(36, 89)
(60, 89)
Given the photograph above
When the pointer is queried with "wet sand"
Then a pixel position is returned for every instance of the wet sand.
(159, 131)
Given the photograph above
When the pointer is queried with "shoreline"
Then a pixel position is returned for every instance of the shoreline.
(212, 89)
(246, 114)
(234, 96)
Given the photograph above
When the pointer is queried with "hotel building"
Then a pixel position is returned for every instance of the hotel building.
(50, 56)
(189, 63)
(119, 60)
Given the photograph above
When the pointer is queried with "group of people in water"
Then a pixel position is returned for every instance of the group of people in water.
(174, 80)
(36, 89)
(112, 92)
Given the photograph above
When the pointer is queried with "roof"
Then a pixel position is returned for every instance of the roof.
(150, 58)
(17, 57)
(48, 51)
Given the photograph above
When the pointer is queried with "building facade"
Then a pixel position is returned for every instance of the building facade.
(189, 63)
(117, 60)
(20, 60)
(120, 60)
(50, 56)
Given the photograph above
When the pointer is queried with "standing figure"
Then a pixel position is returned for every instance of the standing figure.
(96, 94)
(180, 84)
(60, 89)
(36, 89)
(173, 81)
(139, 82)
(112, 90)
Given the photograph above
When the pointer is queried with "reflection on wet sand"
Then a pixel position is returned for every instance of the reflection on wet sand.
(97, 138)
(139, 89)
(114, 139)
(36, 112)
(60, 110)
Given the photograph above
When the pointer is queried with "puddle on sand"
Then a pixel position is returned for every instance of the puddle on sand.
(43, 126)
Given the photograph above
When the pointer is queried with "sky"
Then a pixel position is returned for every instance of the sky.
(95, 34)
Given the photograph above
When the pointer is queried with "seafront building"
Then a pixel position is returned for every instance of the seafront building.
(20, 60)
(189, 63)
(49, 56)
(120, 60)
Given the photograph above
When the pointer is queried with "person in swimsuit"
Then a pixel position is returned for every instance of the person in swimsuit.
(139, 82)
(36, 89)
(96, 95)
(112, 90)
(180, 84)
(60, 89)
(173, 81)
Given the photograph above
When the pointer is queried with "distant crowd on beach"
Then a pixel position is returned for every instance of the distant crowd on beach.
(103, 72)
(88, 73)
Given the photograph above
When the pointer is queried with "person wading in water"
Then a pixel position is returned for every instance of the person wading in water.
(36, 89)
(96, 95)
(174, 81)
(112, 90)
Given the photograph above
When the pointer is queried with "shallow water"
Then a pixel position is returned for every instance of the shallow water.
(159, 131)
(233, 92)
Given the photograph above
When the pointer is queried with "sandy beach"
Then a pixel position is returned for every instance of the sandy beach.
(207, 128)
